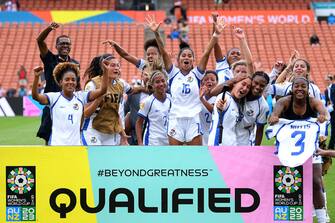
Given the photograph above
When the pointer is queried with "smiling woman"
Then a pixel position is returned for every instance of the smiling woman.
(67, 106)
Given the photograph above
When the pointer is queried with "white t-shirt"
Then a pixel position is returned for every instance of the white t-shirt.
(185, 93)
(255, 112)
(66, 117)
(231, 117)
(296, 140)
(223, 70)
(155, 112)
(285, 88)
(206, 121)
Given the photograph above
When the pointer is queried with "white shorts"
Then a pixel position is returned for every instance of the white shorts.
(184, 129)
(93, 137)
(317, 159)
(205, 138)
(159, 142)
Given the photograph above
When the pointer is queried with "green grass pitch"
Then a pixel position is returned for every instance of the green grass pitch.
(22, 131)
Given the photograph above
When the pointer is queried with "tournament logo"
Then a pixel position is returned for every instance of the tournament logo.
(20, 193)
(75, 106)
(288, 193)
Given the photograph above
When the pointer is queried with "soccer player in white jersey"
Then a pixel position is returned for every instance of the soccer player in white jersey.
(184, 81)
(209, 81)
(154, 112)
(227, 114)
(300, 106)
(103, 123)
(224, 63)
(151, 53)
(255, 111)
(300, 68)
(67, 106)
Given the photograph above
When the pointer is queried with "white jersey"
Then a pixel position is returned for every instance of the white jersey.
(285, 88)
(296, 140)
(230, 118)
(155, 112)
(206, 120)
(66, 115)
(255, 112)
(223, 70)
(141, 65)
(185, 93)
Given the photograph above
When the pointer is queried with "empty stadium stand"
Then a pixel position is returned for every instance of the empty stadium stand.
(268, 43)
(249, 4)
(28, 5)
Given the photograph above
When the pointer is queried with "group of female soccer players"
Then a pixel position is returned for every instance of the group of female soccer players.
(181, 103)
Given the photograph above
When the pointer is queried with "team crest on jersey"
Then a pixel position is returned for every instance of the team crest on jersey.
(190, 79)
(250, 113)
(75, 106)
(172, 132)
(142, 106)
(93, 139)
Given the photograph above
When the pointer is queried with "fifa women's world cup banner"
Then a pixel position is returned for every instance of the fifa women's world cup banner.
(152, 184)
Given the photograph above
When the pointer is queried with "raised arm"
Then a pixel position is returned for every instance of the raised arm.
(42, 36)
(103, 88)
(280, 106)
(217, 49)
(42, 99)
(123, 53)
(154, 27)
(283, 75)
(240, 34)
(219, 27)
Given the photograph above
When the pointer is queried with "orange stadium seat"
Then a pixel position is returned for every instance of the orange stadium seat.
(268, 43)
(249, 4)
(28, 5)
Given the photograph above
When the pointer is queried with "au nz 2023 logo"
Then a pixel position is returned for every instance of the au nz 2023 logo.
(288, 193)
(20, 193)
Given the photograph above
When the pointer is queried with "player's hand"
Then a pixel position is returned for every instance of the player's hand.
(38, 71)
(295, 55)
(239, 33)
(279, 65)
(219, 26)
(321, 118)
(111, 43)
(215, 16)
(321, 152)
(124, 138)
(54, 25)
(273, 119)
(221, 104)
(152, 24)
(203, 91)
(105, 65)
